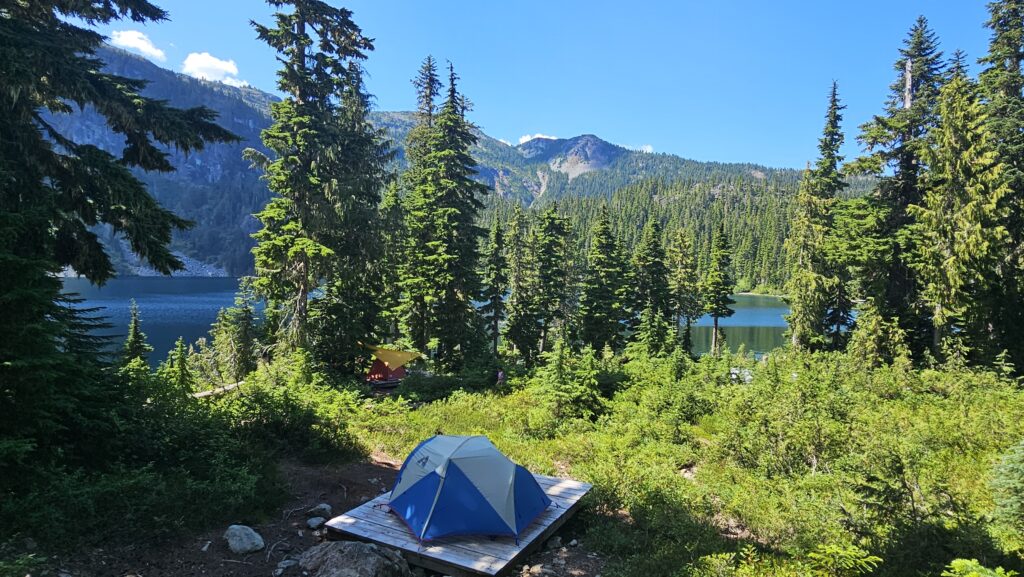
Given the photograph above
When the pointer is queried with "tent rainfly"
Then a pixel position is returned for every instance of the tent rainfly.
(453, 485)
(389, 365)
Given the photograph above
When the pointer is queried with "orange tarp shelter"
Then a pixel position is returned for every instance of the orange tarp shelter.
(389, 365)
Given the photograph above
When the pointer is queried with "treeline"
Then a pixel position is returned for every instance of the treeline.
(933, 254)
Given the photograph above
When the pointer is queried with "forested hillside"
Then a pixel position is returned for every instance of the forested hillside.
(219, 191)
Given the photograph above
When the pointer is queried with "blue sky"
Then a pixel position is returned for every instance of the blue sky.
(728, 81)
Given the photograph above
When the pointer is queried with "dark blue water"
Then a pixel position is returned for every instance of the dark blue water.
(168, 307)
(186, 307)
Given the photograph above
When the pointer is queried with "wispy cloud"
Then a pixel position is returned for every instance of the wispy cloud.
(137, 41)
(529, 137)
(502, 140)
(208, 67)
(648, 148)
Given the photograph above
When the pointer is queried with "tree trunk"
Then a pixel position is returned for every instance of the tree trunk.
(714, 337)
(301, 303)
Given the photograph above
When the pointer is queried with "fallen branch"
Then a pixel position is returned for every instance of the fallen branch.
(270, 551)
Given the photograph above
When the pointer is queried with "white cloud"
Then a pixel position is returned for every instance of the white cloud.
(208, 67)
(137, 41)
(502, 140)
(529, 137)
(648, 148)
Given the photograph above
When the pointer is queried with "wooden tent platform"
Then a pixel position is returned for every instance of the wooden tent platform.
(460, 556)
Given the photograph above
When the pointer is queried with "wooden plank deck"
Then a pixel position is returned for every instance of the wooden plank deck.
(461, 556)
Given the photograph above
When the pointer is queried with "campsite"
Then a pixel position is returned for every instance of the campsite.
(282, 294)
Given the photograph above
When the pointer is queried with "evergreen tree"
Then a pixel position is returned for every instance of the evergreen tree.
(495, 279)
(393, 243)
(650, 275)
(327, 162)
(175, 372)
(235, 339)
(603, 293)
(54, 194)
(347, 313)
(895, 142)
(551, 243)
(1001, 84)
(135, 345)
(684, 285)
(440, 276)
(653, 333)
(963, 242)
(717, 287)
(817, 300)
(523, 327)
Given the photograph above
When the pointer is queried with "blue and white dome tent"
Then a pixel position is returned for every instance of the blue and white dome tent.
(452, 485)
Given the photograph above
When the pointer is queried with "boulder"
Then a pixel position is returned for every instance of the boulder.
(350, 559)
(321, 510)
(243, 539)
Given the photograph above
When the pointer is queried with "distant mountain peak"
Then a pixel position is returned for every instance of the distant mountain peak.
(572, 156)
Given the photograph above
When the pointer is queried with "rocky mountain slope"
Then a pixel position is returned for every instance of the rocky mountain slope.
(220, 192)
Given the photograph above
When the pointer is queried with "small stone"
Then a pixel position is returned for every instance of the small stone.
(243, 539)
(205, 547)
(284, 565)
(573, 543)
(536, 569)
(316, 522)
(554, 542)
(559, 561)
(321, 510)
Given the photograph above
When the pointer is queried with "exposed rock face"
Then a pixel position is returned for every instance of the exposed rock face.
(243, 539)
(349, 559)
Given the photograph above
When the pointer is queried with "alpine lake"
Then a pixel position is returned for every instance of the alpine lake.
(172, 307)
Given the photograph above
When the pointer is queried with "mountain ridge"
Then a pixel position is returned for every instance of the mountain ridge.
(220, 192)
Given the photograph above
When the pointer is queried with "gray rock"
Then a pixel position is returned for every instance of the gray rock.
(321, 510)
(243, 539)
(350, 559)
(554, 542)
(284, 565)
(573, 543)
(316, 522)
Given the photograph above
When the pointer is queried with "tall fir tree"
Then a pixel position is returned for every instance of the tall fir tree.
(495, 282)
(54, 194)
(684, 285)
(523, 327)
(393, 244)
(1002, 87)
(819, 308)
(346, 315)
(963, 241)
(649, 274)
(418, 293)
(440, 277)
(603, 293)
(135, 345)
(895, 142)
(717, 287)
(326, 163)
(551, 243)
